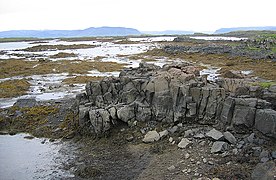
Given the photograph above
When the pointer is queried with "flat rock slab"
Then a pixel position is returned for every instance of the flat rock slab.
(230, 137)
(151, 136)
(215, 134)
(219, 146)
(184, 143)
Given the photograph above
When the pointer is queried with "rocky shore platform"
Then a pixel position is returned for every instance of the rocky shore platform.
(163, 123)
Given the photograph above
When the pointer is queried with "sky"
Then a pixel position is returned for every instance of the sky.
(144, 15)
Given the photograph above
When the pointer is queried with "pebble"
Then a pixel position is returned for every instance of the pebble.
(204, 160)
(211, 162)
(187, 155)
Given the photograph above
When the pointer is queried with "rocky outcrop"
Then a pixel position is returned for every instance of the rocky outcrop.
(174, 94)
(246, 113)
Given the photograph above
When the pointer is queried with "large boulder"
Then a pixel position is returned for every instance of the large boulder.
(100, 120)
(266, 122)
(244, 111)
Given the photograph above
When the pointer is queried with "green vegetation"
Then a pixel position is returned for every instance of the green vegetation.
(266, 84)
(40, 121)
(261, 68)
(63, 55)
(58, 47)
(13, 88)
(17, 67)
(30, 118)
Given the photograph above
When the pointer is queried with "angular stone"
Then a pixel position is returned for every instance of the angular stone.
(265, 122)
(215, 134)
(126, 113)
(113, 112)
(100, 120)
(272, 88)
(143, 113)
(163, 133)
(151, 136)
(219, 146)
(192, 109)
(184, 143)
(227, 111)
(244, 115)
(173, 129)
(251, 138)
(83, 115)
(230, 137)
(199, 136)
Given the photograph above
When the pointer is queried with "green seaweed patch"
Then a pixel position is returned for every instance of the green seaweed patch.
(58, 47)
(266, 84)
(14, 88)
(63, 55)
(27, 119)
(81, 79)
(14, 67)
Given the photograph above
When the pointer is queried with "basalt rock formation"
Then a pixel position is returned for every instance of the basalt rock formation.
(172, 94)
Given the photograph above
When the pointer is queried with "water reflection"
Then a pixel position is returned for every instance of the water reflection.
(29, 158)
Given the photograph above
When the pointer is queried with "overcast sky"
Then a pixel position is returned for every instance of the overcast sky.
(144, 15)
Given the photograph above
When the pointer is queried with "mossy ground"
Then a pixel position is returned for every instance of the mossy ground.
(57, 47)
(41, 121)
(63, 55)
(13, 88)
(20, 67)
(262, 68)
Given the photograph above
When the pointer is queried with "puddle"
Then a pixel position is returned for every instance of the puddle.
(212, 73)
(30, 159)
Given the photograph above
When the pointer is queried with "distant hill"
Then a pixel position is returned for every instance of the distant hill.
(100, 31)
(167, 32)
(227, 30)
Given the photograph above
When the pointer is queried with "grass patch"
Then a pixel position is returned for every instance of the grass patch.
(63, 55)
(57, 47)
(17, 67)
(81, 79)
(14, 88)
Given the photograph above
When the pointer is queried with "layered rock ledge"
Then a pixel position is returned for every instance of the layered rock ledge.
(173, 94)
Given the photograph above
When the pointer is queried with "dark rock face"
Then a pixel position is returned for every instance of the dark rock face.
(174, 94)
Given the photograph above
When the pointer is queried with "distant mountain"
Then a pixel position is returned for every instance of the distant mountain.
(100, 31)
(227, 30)
(168, 32)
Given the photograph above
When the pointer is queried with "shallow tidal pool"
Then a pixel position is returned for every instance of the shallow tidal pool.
(23, 158)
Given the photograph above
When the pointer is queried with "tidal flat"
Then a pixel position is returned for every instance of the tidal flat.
(43, 92)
